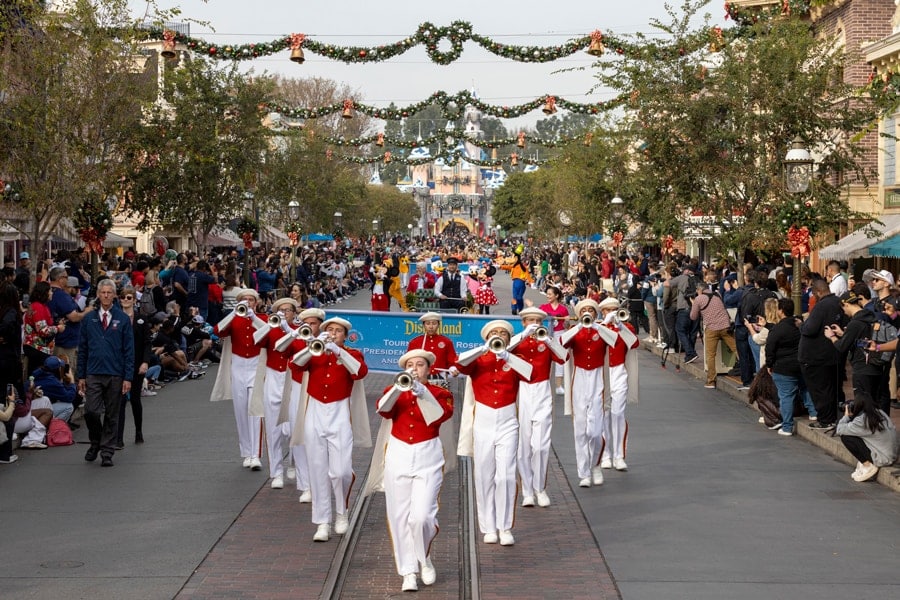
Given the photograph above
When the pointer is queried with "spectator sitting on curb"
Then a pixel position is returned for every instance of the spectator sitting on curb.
(58, 384)
(34, 426)
(869, 434)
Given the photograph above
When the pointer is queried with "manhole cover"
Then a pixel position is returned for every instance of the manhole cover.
(62, 564)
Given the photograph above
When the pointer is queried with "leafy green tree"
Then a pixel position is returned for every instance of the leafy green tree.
(196, 160)
(68, 101)
(710, 131)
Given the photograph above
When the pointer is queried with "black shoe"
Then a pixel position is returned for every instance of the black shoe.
(138, 438)
(895, 404)
(91, 454)
(691, 359)
(73, 426)
(106, 461)
(821, 426)
(120, 445)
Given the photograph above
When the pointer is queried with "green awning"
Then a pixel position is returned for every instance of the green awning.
(889, 248)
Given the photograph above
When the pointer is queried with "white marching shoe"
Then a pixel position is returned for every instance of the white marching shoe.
(490, 538)
(585, 482)
(323, 532)
(429, 575)
(341, 524)
(291, 473)
(277, 482)
(506, 538)
(255, 464)
(606, 464)
(409, 583)
(596, 476)
(247, 462)
(528, 501)
(543, 499)
(620, 465)
(305, 497)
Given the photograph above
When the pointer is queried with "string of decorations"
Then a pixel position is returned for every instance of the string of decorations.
(450, 105)
(747, 15)
(449, 158)
(380, 139)
(430, 36)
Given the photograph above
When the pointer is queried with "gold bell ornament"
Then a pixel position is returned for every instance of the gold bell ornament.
(549, 106)
(297, 40)
(347, 113)
(596, 48)
(168, 50)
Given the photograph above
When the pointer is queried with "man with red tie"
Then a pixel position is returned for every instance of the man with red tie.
(335, 420)
(439, 345)
(489, 428)
(535, 405)
(587, 343)
(240, 373)
(621, 386)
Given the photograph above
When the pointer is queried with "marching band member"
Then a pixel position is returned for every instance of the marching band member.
(535, 405)
(413, 464)
(439, 345)
(489, 428)
(584, 389)
(240, 374)
(622, 369)
(296, 389)
(273, 388)
(334, 421)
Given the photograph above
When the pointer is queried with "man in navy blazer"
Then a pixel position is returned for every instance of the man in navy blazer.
(104, 368)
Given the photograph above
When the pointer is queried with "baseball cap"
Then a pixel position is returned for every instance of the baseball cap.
(884, 275)
(159, 317)
(53, 363)
(72, 282)
(24, 255)
(198, 319)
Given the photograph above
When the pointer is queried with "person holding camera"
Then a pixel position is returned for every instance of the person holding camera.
(781, 360)
(870, 436)
(854, 339)
(57, 381)
(717, 328)
(684, 288)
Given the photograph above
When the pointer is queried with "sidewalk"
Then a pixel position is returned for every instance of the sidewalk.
(887, 476)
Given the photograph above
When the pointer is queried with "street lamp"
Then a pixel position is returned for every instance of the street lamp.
(375, 228)
(617, 209)
(798, 166)
(499, 227)
(409, 227)
(528, 231)
(294, 214)
(337, 219)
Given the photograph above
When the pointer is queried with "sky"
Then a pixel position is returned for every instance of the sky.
(412, 77)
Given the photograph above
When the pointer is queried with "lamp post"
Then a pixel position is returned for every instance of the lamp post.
(294, 215)
(337, 219)
(375, 228)
(798, 166)
(616, 210)
(530, 225)
(498, 227)
(409, 227)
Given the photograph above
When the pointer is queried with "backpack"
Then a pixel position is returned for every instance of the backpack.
(882, 333)
(148, 305)
(59, 434)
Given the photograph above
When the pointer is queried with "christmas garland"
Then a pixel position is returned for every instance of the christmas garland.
(450, 158)
(293, 230)
(248, 229)
(748, 15)
(92, 220)
(379, 139)
(794, 214)
(431, 36)
(450, 106)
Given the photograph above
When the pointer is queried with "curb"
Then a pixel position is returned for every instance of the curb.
(887, 476)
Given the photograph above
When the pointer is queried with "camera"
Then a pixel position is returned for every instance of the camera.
(863, 343)
(10, 391)
(846, 405)
(753, 319)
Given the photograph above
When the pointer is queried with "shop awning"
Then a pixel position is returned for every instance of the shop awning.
(272, 235)
(222, 236)
(889, 248)
(117, 241)
(858, 243)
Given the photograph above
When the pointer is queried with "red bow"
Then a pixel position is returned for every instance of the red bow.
(799, 241)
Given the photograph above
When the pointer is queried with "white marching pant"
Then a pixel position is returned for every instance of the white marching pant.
(329, 454)
(413, 474)
(587, 418)
(615, 429)
(243, 372)
(535, 424)
(496, 441)
(298, 453)
(559, 369)
(273, 388)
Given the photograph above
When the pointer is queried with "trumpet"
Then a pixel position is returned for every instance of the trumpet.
(622, 314)
(275, 321)
(316, 347)
(404, 381)
(242, 310)
(304, 332)
(587, 319)
(541, 333)
(497, 344)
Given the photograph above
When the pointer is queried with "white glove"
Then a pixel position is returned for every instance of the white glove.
(284, 324)
(244, 302)
(503, 355)
(454, 372)
(531, 329)
(324, 336)
(333, 348)
(486, 348)
(418, 389)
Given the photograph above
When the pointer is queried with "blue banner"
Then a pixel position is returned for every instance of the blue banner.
(383, 336)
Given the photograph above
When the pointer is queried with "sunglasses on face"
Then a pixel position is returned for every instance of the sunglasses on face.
(127, 297)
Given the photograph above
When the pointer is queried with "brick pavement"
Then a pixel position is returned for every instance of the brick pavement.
(268, 552)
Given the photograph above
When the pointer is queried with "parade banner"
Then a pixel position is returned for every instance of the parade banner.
(383, 336)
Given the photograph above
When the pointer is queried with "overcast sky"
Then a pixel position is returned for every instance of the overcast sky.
(412, 76)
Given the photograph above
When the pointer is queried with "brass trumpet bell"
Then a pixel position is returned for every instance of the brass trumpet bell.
(587, 319)
(275, 321)
(404, 381)
(304, 332)
(541, 334)
(242, 310)
(317, 347)
(497, 344)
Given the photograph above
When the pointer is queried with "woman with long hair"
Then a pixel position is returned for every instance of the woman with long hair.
(10, 357)
(869, 434)
(39, 327)
(559, 314)
(142, 361)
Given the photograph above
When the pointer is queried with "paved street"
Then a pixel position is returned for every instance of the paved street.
(713, 506)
